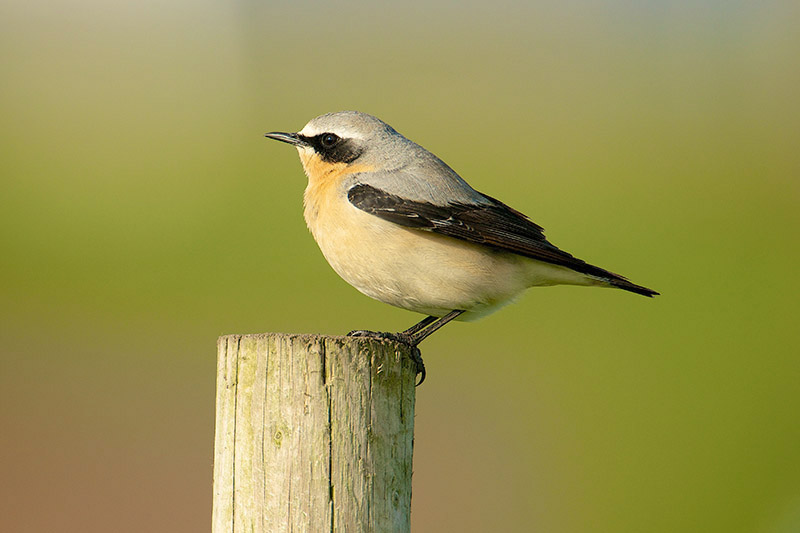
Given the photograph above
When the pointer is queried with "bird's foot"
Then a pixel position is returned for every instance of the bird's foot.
(408, 340)
(397, 337)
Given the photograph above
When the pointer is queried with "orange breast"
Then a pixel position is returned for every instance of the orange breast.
(323, 181)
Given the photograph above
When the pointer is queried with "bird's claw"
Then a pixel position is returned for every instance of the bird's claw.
(416, 357)
(408, 340)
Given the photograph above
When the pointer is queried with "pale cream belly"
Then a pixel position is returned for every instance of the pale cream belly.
(419, 270)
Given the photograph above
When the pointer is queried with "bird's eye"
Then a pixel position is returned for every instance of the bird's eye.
(329, 140)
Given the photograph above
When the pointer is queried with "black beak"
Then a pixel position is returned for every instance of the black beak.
(291, 138)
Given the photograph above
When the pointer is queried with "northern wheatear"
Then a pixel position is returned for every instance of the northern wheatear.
(401, 226)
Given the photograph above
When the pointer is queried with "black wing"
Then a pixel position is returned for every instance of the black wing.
(492, 224)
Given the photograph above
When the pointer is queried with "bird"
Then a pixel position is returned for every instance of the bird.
(401, 226)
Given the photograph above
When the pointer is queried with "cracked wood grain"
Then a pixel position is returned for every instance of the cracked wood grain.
(313, 434)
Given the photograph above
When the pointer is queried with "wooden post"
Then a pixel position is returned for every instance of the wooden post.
(313, 434)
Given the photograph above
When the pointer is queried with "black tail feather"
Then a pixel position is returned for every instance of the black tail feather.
(615, 280)
(624, 284)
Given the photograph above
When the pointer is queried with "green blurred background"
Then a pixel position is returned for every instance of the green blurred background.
(143, 214)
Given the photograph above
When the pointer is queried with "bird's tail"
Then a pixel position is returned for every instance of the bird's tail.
(614, 280)
(622, 283)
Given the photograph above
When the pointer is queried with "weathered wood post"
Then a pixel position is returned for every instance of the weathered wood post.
(313, 434)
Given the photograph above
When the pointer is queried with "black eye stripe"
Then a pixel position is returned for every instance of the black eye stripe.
(332, 148)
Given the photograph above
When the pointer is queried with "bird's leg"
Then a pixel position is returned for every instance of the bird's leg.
(419, 325)
(422, 331)
(403, 336)
(412, 336)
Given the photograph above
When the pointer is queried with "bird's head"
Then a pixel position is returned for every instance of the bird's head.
(344, 142)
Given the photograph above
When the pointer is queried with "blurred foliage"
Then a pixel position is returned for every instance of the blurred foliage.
(143, 215)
